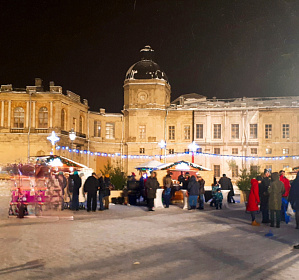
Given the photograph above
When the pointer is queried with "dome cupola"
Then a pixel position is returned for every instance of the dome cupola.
(146, 68)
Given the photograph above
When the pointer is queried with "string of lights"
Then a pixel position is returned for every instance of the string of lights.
(173, 155)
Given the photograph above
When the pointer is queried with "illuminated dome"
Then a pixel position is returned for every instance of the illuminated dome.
(146, 68)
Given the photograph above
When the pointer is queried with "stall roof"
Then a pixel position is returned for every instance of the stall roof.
(148, 165)
(182, 166)
(65, 161)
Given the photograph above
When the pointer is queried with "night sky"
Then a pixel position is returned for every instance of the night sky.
(214, 48)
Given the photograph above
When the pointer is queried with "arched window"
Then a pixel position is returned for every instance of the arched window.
(18, 117)
(43, 117)
(81, 124)
(63, 119)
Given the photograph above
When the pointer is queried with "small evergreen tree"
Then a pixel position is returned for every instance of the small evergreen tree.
(244, 181)
(117, 177)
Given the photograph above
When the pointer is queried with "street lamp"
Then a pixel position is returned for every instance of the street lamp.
(53, 138)
(72, 135)
(162, 145)
(193, 147)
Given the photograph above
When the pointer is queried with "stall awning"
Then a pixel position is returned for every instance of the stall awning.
(182, 166)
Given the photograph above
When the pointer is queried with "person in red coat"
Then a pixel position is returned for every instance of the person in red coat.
(284, 200)
(254, 200)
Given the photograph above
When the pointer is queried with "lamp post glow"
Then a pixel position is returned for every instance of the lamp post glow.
(162, 145)
(72, 135)
(53, 138)
(193, 147)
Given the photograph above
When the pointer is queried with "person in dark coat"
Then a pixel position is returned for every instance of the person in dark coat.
(254, 200)
(264, 196)
(276, 190)
(226, 184)
(201, 183)
(62, 183)
(151, 185)
(107, 186)
(193, 192)
(91, 188)
(76, 186)
(101, 191)
(294, 199)
(168, 186)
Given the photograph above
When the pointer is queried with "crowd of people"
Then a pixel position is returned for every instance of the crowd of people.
(271, 193)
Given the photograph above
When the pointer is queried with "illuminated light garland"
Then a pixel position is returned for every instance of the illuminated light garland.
(172, 155)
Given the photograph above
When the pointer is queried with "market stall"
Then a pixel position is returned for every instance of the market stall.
(35, 186)
(180, 168)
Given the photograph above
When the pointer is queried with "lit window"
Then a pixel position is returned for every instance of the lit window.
(254, 168)
(19, 117)
(142, 150)
(253, 131)
(97, 129)
(217, 151)
(110, 131)
(142, 134)
(268, 151)
(171, 132)
(235, 131)
(199, 131)
(81, 124)
(217, 131)
(235, 151)
(285, 131)
(268, 131)
(285, 151)
(187, 132)
(235, 172)
(216, 170)
(43, 117)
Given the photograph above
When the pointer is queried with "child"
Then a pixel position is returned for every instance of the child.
(218, 199)
(215, 187)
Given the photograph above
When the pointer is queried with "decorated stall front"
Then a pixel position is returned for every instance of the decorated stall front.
(181, 168)
(35, 187)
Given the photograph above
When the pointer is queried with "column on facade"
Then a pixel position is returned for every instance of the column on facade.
(27, 114)
(2, 113)
(33, 114)
(51, 114)
(9, 113)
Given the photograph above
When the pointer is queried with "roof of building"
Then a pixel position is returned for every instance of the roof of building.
(197, 101)
(146, 68)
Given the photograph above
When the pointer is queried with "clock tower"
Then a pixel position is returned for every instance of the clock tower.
(146, 99)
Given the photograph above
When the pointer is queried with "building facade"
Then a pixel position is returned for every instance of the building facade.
(231, 134)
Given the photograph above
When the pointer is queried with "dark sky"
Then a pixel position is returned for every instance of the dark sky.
(215, 48)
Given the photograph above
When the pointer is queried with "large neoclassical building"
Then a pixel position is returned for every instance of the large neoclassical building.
(230, 133)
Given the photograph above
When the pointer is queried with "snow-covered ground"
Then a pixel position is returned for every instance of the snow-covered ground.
(132, 243)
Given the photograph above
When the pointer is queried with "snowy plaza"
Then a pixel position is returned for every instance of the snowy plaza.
(127, 242)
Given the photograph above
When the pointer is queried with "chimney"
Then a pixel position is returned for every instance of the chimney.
(102, 111)
(181, 100)
(39, 84)
(52, 84)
